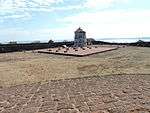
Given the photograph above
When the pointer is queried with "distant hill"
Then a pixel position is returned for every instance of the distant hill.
(141, 43)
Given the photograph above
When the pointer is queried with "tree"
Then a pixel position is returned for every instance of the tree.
(13, 42)
(65, 41)
(50, 41)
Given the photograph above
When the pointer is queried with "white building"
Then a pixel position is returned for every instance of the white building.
(80, 38)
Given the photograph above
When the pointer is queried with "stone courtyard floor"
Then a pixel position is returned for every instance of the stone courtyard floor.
(78, 52)
(105, 94)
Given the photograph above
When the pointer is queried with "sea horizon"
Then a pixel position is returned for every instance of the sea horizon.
(112, 40)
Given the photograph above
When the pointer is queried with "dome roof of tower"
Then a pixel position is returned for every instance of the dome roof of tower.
(79, 30)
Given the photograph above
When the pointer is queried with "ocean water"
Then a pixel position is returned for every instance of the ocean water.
(115, 40)
(125, 40)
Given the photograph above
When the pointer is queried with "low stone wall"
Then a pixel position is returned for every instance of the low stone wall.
(78, 52)
(138, 44)
(4, 48)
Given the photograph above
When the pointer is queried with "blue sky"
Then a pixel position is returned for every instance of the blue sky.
(29, 20)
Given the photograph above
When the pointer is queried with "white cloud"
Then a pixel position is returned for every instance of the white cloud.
(11, 8)
(100, 24)
(19, 34)
(7, 4)
(109, 17)
(115, 23)
(102, 3)
(96, 3)
(104, 24)
(24, 16)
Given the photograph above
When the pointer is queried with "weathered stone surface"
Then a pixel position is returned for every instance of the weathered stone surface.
(111, 94)
(29, 110)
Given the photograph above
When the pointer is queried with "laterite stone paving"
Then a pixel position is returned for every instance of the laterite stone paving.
(105, 94)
